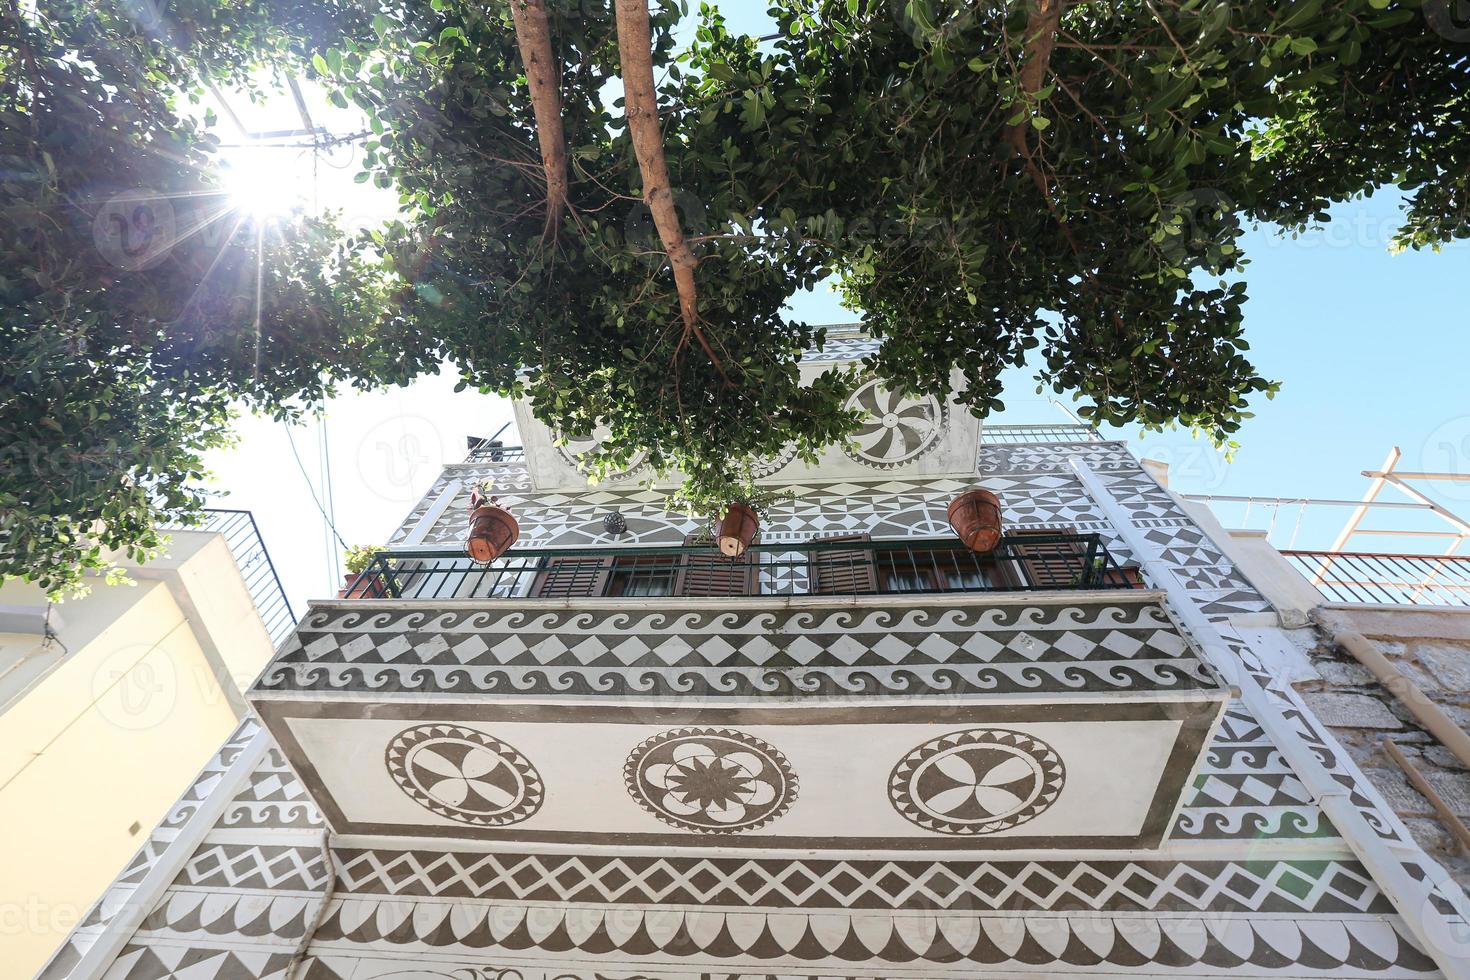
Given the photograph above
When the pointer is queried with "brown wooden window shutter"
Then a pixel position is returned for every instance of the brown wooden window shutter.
(713, 573)
(573, 576)
(1051, 564)
(843, 572)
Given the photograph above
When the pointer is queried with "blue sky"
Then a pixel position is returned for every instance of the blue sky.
(1372, 349)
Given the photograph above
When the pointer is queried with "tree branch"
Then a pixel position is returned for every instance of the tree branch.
(533, 37)
(1041, 37)
(640, 101)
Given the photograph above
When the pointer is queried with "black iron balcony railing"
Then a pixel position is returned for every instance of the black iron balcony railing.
(839, 566)
(487, 451)
(1386, 579)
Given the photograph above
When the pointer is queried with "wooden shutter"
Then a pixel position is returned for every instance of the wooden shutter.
(712, 573)
(1051, 564)
(566, 578)
(843, 572)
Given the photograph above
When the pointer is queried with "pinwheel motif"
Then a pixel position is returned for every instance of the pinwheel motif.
(464, 774)
(976, 782)
(710, 780)
(577, 449)
(897, 428)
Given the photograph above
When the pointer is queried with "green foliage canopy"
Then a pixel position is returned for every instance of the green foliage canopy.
(992, 184)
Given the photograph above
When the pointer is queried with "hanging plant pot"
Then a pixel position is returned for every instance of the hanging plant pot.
(737, 529)
(492, 529)
(975, 517)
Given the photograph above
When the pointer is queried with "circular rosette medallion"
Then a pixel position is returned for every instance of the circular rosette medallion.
(579, 449)
(897, 428)
(764, 466)
(980, 781)
(713, 780)
(464, 774)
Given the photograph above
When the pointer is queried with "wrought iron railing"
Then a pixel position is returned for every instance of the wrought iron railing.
(243, 538)
(997, 434)
(847, 567)
(486, 451)
(1386, 579)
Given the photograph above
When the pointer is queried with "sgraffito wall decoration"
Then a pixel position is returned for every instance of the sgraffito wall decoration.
(1244, 877)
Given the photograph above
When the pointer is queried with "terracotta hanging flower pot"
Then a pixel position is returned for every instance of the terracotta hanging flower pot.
(737, 529)
(492, 528)
(975, 517)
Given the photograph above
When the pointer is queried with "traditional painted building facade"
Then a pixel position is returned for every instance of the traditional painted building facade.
(858, 751)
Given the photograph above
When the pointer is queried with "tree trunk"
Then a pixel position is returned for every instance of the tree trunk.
(533, 37)
(640, 103)
(1041, 38)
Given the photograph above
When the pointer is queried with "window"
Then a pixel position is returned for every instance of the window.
(937, 570)
(708, 572)
(704, 572)
(1053, 558)
(644, 575)
(843, 571)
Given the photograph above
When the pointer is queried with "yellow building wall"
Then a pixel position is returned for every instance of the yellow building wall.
(93, 754)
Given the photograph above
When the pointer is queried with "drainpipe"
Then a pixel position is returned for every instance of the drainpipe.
(1428, 714)
(1384, 859)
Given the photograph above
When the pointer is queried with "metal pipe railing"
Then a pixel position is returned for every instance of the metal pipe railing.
(488, 451)
(1062, 432)
(845, 567)
(1386, 579)
(242, 537)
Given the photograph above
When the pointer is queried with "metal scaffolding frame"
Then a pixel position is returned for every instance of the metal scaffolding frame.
(1427, 569)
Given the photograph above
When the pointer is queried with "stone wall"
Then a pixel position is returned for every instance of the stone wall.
(1362, 714)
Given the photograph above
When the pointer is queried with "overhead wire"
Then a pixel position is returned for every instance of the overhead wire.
(310, 488)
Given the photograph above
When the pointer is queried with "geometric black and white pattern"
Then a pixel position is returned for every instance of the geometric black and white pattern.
(897, 427)
(464, 774)
(1256, 881)
(711, 780)
(979, 781)
(1246, 791)
(604, 649)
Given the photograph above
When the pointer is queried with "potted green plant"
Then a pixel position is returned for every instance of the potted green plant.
(360, 583)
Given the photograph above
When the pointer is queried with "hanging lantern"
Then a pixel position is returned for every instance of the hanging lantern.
(492, 528)
(975, 517)
(737, 529)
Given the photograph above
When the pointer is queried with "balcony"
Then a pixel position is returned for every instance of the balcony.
(1377, 578)
(491, 451)
(845, 566)
(842, 693)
